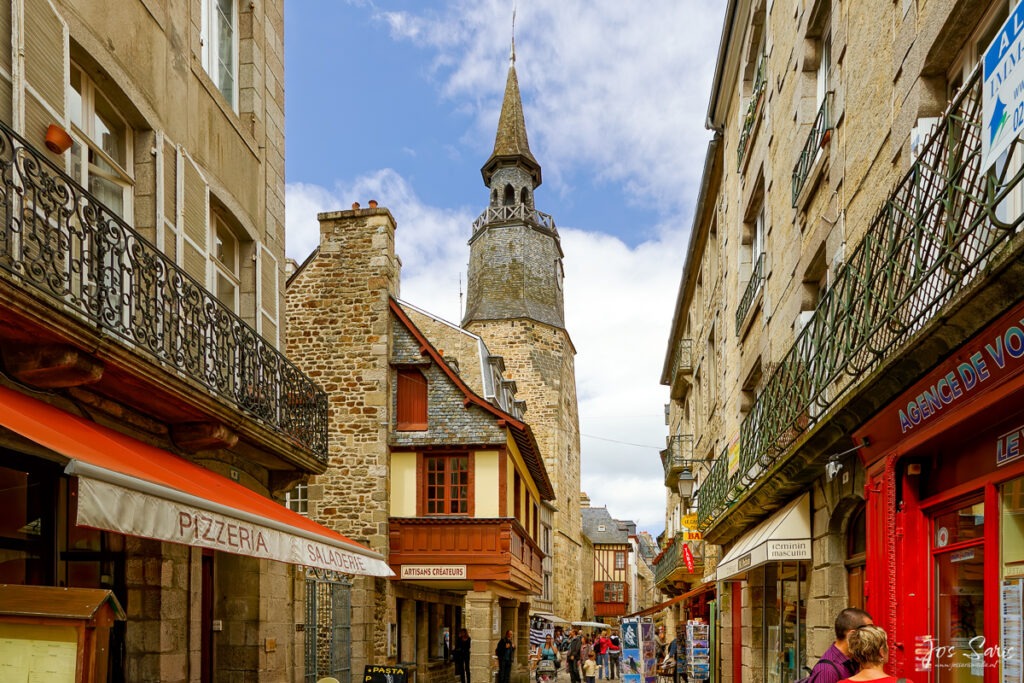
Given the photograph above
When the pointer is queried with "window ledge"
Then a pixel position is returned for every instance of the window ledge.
(755, 306)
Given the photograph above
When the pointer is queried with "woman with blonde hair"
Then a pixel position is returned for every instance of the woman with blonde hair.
(870, 649)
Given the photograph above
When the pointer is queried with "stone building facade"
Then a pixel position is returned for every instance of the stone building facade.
(141, 252)
(417, 404)
(515, 303)
(844, 243)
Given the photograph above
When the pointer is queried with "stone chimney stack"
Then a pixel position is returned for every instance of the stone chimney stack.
(363, 239)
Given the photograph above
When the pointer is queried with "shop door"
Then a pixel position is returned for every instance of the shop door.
(958, 542)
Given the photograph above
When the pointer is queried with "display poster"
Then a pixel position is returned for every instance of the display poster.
(632, 659)
(1012, 631)
(648, 651)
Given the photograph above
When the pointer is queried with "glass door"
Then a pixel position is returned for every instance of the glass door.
(958, 553)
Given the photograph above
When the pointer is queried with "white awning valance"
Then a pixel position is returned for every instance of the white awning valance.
(783, 537)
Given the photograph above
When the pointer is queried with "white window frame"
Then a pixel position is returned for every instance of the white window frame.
(210, 42)
(85, 136)
(297, 500)
(229, 271)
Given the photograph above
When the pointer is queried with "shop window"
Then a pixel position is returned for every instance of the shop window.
(219, 37)
(26, 526)
(783, 621)
(411, 392)
(856, 556)
(446, 485)
(297, 500)
(101, 152)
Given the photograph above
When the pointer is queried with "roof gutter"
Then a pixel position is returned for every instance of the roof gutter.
(691, 249)
(723, 49)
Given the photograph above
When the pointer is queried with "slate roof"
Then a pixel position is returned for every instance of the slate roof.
(614, 532)
(511, 147)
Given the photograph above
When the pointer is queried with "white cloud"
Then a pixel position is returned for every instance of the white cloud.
(615, 92)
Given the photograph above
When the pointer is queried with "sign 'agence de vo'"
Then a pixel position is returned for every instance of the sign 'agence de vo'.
(1002, 101)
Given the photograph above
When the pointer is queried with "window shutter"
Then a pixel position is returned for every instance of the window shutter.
(195, 216)
(412, 400)
(6, 98)
(169, 200)
(46, 68)
(267, 280)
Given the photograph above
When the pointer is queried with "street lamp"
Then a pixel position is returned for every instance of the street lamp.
(686, 482)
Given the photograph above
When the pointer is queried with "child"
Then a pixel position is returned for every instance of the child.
(590, 668)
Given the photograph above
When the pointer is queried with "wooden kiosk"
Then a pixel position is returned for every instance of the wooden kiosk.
(56, 634)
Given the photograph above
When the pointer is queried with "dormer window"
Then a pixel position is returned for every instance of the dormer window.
(411, 408)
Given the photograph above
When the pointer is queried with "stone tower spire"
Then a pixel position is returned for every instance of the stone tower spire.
(515, 304)
(515, 268)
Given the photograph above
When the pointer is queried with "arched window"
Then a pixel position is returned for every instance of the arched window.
(524, 197)
(494, 197)
(856, 556)
(412, 401)
(510, 196)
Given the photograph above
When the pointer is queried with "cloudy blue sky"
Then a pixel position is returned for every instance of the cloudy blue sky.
(398, 101)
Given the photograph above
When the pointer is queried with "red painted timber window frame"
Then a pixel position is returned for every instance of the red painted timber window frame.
(446, 485)
(411, 399)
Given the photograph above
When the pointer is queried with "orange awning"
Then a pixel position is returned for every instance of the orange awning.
(130, 487)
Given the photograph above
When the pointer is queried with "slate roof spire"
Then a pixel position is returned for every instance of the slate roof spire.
(511, 148)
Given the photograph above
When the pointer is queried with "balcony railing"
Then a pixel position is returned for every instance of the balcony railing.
(81, 257)
(682, 367)
(750, 116)
(671, 561)
(935, 236)
(819, 136)
(515, 212)
(678, 454)
(753, 287)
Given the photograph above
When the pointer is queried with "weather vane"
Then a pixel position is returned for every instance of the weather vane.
(512, 57)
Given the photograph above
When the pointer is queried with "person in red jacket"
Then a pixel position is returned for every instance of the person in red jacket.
(614, 653)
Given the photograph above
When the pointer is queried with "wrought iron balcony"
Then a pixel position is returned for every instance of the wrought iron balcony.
(515, 212)
(819, 136)
(80, 257)
(936, 235)
(753, 105)
(670, 565)
(676, 457)
(682, 366)
(753, 287)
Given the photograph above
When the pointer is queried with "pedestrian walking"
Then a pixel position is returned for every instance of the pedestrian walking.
(590, 668)
(506, 654)
(614, 654)
(572, 660)
(677, 654)
(601, 644)
(460, 654)
(870, 650)
(837, 664)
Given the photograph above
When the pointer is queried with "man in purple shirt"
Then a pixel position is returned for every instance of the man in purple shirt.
(836, 665)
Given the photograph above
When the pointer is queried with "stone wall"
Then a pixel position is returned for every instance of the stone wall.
(541, 361)
(339, 334)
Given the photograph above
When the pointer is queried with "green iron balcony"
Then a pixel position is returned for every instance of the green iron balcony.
(670, 566)
(817, 138)
(750, 293)
(935, 236)
(682, 367)
(677, 457)
(80, 257)
(753, 108)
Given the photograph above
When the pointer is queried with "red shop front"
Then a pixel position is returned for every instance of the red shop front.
(945, 514)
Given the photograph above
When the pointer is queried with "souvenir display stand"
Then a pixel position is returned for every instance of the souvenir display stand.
(698, 643)
(57, 635)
